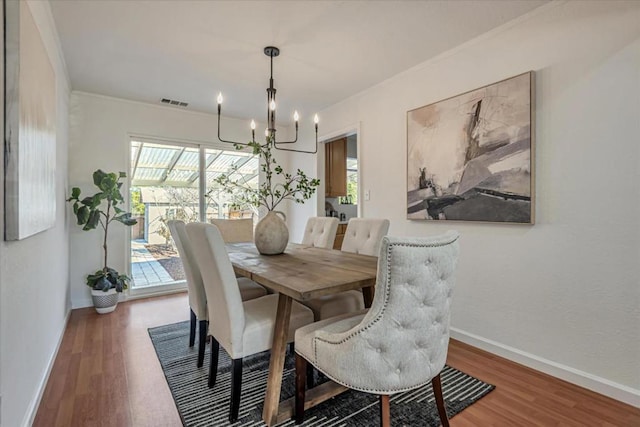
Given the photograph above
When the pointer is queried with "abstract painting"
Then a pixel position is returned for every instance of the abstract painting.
(30, 127)
(469, 157)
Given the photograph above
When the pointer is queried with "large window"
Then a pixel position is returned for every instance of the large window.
(243, 167)
(176, 181)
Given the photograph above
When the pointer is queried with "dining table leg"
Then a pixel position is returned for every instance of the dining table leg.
(276, 363)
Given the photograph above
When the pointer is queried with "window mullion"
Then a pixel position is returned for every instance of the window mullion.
(202, 187)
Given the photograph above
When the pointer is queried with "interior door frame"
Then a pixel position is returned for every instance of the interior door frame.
(320, 164)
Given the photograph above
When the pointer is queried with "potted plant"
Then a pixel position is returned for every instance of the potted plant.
(90, 212)
(271, 234)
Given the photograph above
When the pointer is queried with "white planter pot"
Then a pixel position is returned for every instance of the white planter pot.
(104, 302)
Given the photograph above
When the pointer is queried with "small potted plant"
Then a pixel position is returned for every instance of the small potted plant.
(271, 234)
(90, 212)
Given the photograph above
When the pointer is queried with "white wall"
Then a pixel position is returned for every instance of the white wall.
(34, 286)
(562, 295)
(100, 129)
(564, 291)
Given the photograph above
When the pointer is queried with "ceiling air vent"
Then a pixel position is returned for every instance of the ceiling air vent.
(174, 102)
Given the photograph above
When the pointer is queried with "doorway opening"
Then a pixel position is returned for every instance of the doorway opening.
(342, 196)
(341, 178)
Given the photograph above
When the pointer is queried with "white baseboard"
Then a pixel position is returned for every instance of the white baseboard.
(154, 291)
(134, 294)
(81, 303)
(35, 403)
(594, 383)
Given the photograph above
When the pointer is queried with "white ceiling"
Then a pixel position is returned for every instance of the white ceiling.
(191, 50)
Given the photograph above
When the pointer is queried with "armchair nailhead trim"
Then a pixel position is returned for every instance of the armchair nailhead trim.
(377, 319)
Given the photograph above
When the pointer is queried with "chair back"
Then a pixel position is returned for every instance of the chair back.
(364, 235)
(405, 334)
(226, 312)
(320, 232)
(197, 296)
(234, 230)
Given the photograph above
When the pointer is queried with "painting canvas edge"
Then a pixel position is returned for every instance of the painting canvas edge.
(30, 127)
(11, 119)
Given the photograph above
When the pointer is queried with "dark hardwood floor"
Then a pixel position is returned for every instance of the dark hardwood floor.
(107, 374)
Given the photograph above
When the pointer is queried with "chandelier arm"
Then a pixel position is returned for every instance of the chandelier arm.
(297, 151)
(232, 142)
(288, 142)
(224, 140)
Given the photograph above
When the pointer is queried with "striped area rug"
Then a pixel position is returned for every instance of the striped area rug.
(200, 406)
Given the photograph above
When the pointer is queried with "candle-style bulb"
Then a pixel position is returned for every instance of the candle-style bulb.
(253, 125)
(220, 98)
(295, 116)
(266, 132)
(272, 105)
(315, 119)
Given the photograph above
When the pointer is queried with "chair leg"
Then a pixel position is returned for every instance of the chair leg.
(310, 381)
(310, 376)
(437, 392)
(213, 367)
(385, 412)
(192, 329)
(301, 373)
(202, 343)
(236, 388)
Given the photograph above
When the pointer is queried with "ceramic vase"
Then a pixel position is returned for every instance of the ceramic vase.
(271, 234)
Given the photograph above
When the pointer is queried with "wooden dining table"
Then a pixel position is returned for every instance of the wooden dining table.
(301, 273)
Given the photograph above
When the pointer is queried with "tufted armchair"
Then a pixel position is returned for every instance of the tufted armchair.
(195, 287)
(320, 232)
(401, 343)
(363, 236)
(242, 328)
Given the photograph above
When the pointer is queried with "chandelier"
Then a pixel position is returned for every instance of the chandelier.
(270, 131)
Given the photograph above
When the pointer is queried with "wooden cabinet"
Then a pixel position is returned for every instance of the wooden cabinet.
(335, 168)
(342, 229)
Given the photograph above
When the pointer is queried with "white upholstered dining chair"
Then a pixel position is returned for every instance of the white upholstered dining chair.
(242, 328)
(234, 230)
(320, 232)
(401, 342)
(195, 287)
(363, 236)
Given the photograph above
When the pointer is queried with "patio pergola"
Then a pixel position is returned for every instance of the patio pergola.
(154, 165)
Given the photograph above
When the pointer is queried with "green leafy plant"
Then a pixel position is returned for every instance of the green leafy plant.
(137, 207)
(277, 186)
(91, 211)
